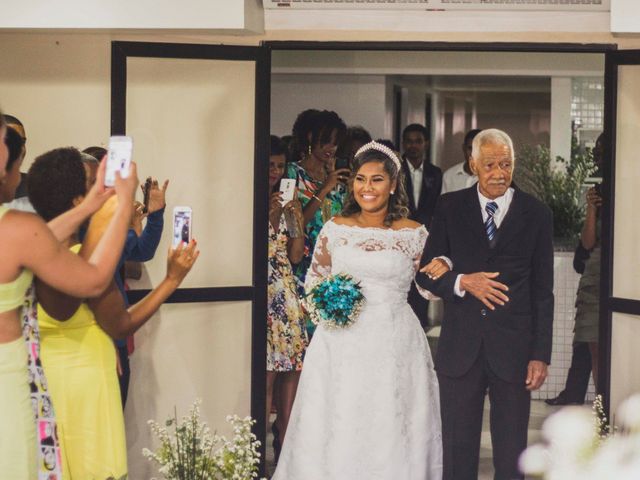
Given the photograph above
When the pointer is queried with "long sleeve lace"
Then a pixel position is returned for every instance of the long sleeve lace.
(320, 262)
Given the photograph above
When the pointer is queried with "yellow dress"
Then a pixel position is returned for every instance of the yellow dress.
(18, 459)
(79, 360)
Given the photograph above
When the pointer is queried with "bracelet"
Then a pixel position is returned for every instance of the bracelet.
(315, 197)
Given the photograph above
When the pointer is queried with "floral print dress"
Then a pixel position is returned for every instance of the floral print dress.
(331, 206)
(49, 453)
(286, 334)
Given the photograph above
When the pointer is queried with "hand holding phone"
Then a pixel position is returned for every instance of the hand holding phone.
(118, 158)
(287, 189)
(182, 225)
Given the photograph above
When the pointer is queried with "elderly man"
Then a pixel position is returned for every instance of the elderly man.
(497, 326)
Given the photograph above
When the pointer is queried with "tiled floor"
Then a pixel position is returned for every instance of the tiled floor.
(539, 412)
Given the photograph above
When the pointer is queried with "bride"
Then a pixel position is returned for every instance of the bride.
(367, 405)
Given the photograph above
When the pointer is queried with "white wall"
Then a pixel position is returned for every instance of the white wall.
(140, 14)
(625, 16)
(358, 99)
(59, 86)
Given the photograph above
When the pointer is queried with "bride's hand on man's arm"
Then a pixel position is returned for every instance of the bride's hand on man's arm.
(435, 268)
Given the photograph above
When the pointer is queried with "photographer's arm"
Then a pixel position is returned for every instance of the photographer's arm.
(588, 236)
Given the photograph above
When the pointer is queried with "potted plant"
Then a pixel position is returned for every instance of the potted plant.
(559, 184)
(188, 450)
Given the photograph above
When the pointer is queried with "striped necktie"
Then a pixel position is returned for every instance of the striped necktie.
(490, 225)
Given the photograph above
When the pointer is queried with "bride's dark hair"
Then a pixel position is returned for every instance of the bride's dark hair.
(397, 207)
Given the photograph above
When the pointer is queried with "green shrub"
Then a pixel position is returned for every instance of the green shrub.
(559, 184)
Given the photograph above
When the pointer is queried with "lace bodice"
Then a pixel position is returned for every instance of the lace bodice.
(384, 261)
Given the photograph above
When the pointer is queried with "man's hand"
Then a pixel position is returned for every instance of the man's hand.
(536, 374)
(435, 268)
(482, 286)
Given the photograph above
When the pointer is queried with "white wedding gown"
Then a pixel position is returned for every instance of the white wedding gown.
(367, 406)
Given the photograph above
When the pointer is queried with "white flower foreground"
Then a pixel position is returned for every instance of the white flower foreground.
(191, 452)
(578, 445)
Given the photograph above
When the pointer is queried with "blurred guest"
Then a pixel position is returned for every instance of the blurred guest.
(287, 141)
(423, 183)
(286, 333)
(15, 147)
(20, 201)
(141, 246)
(388, 143)
(90, 164)
(460, 175)
(577, 383)
(355, 138)
(320, 185)
(90, 167)
(423, 180)
(29, 245)
(77, 352)
(588, 296)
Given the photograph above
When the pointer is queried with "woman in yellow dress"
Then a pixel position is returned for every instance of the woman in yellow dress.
(77, 349)
(29, 245)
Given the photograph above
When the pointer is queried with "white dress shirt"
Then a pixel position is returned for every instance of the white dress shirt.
(503, 207)
(416, 180)
(21, 204)
(455, 178)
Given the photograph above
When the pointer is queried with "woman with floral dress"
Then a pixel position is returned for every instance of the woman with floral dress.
(286, 334)
(320, 185)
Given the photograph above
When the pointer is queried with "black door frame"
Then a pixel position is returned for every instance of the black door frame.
(609, 50)
(262, 56)
(608, 303)
(256, 293)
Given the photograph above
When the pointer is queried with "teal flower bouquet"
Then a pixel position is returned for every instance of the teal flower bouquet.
(335, 302)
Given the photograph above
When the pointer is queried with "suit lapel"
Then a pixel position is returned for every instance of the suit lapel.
(473, 216)
(513, 222)
(408, 182)
(424, 187)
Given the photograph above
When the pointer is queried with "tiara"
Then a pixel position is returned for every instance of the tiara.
(380, 148)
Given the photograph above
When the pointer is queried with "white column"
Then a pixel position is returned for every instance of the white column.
(560, 141)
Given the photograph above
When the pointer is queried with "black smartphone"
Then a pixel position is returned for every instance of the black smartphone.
(342, 163)
(146, 190)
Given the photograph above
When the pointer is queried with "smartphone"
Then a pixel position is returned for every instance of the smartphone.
(118, 159)
(182, 225)
(342, 163)
(146, 189)
(287, 188)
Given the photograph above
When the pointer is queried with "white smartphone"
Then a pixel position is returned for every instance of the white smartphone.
(118, 158)
(287, 188)
(182, 225)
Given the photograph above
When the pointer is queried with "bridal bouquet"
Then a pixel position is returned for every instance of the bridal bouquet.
(192, 452)
(335, 302)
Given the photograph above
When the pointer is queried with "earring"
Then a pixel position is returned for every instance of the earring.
(309, 150)
(392, 192)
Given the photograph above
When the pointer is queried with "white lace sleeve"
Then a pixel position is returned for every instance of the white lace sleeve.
(320, 262)
(416, 266)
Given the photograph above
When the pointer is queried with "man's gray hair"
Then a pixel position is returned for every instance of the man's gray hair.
(491, 136)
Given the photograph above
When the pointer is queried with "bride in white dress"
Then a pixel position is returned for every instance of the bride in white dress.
(367, 406)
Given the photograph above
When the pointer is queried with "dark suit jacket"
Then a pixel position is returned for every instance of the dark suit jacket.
(430, 191)
(513, 334)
